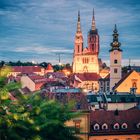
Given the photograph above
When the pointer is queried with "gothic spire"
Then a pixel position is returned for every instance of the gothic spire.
(93, 27)
(78, 23)
(115, 45)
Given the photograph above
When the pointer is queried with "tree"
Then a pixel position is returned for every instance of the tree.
(32, 117)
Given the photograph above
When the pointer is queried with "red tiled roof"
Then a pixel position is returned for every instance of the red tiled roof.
(49, 67)
(79, 99)
(38, 79)
(130, 117)
(88, 76)
(26, 69)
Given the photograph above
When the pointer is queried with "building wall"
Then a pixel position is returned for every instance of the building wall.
(128, 83)
(89, 85)
(104, 86)
(115, 77)
(85, 63)
(27, 82)
(116, 137)
(120, 106)
(84, 125)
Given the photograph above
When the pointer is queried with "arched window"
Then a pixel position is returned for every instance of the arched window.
(116, 126)
(138, 125)
(85, 69)
(124, 126)
(104, 126)
(115, 61)
(96, 126)
(134, 85)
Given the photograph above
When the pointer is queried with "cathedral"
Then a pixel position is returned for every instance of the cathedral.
(85, 60)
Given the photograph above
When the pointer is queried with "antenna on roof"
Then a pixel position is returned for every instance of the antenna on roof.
(59, 58)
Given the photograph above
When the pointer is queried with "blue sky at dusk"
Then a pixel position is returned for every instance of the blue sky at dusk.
(41, 29)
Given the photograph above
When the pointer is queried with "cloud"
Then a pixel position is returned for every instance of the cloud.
(43, 49)
(51, 25)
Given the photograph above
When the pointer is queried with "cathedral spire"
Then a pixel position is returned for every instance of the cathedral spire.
(78, 23)
(115, 45)
(93, 27)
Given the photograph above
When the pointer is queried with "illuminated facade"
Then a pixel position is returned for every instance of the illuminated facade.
(85, 60)
(115, 60)
(129, 83)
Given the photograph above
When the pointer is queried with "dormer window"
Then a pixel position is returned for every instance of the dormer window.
(96, 126)
(124, 126)
(104, 126)
(116, 126)
(138, 125)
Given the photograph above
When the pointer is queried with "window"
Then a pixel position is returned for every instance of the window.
(115, 61)
(96, 127)
(115, 70)
(107, 83)
(138, 125)
(92, 47)
(108, 89)
(124, 126)
(104, 126)
(116, 126)
(101, 83)
(77, 125)
(134, 85)
(78, 48)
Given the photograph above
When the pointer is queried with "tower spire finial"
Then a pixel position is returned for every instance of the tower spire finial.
(115, 29)
(78, 23)
(115, 45)
(93, 27)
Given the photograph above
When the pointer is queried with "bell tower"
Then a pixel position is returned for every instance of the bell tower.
(78, 45)
(115, 60)
(93, 38)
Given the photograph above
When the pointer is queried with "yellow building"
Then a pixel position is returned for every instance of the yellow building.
(129, 82)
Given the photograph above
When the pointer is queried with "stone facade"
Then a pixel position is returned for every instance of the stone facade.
(85, 60)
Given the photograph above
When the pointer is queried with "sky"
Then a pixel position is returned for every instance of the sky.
(39, 30)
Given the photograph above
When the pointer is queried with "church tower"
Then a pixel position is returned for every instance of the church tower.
(115, 59)
(85, 59)
(78, 46)
(93, 38)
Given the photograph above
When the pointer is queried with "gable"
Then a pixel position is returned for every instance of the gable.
(131, 80)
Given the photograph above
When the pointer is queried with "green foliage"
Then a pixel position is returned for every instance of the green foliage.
(33, 117)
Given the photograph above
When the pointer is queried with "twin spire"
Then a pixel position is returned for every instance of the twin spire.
(78, 23)
(93, 27)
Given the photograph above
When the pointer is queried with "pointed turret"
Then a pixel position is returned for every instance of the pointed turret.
(78, 38)
(93, 38)
(78, 23)
(93, 27)
(115, 45)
